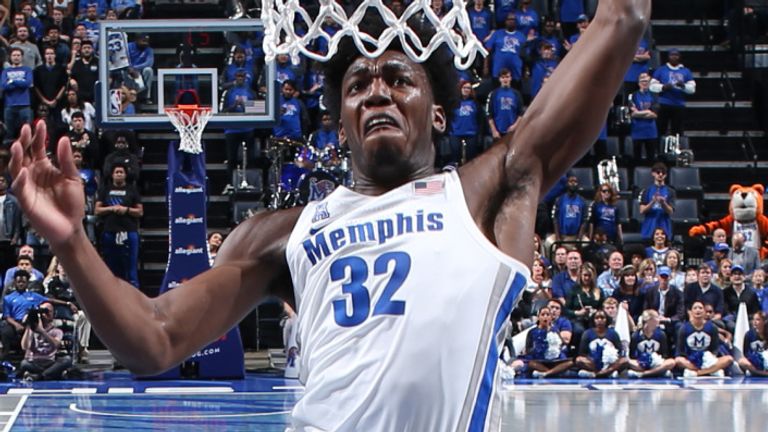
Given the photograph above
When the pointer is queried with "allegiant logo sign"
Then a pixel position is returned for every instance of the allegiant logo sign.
(189, 219)
(188, 189)
(189, 250)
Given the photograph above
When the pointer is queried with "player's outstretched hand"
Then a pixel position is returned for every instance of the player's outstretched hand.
(52, 198)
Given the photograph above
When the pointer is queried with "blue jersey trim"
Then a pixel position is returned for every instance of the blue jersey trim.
(480, 410)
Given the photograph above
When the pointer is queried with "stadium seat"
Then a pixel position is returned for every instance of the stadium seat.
(686, 182)
(622, 206)
(586, 181)
(252, 175)
(241, 209)
(686, 212)
(642, 178)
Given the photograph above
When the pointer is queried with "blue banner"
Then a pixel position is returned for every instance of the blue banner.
(188, 256)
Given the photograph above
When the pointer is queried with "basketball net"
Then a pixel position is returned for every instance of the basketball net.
(189, 121)
(454, 29)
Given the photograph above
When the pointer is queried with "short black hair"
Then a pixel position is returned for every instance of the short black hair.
(77, 114)
(21, 273)
(84, 42)
(440, 69)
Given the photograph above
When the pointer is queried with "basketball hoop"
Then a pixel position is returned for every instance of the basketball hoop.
(454, 29)
(189, 121)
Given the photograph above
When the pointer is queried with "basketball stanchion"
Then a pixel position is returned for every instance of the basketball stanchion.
(187, 192)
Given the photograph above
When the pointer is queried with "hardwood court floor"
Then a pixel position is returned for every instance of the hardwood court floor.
(114, 401)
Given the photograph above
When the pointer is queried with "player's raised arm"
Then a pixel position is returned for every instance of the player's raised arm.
(148, 335)
(566, 116)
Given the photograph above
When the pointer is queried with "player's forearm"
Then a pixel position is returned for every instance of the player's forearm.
(121, 315)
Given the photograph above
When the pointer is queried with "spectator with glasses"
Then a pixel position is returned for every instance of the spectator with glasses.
(604, 214)
(657, 203)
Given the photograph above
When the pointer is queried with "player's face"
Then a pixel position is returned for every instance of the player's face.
(387, 117)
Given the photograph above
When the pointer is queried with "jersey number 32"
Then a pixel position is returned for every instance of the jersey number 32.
(359, 294)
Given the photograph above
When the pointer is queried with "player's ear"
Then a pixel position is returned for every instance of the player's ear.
(342, 136)
(439, 121)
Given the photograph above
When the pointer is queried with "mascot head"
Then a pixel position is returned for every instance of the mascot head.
(746, 202)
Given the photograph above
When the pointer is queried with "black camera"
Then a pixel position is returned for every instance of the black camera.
(33, 317)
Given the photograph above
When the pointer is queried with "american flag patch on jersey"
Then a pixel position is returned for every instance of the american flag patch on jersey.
(428, 187)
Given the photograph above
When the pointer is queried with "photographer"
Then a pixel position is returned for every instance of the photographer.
(40, 342)
(15, 308)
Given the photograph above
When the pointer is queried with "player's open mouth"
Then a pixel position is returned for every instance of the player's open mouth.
(379, 121)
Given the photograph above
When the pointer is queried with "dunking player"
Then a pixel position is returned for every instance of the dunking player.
(403, 285)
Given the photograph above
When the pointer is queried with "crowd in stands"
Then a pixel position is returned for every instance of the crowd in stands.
(579, 279)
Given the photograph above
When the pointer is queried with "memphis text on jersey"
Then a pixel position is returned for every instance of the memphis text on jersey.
(323, 243)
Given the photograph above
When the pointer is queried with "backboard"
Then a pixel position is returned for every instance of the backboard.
(191, 64)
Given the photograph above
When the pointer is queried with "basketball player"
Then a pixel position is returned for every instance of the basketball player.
(402, 285)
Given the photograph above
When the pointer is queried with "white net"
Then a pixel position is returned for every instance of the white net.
(190, 123)
(453, 29)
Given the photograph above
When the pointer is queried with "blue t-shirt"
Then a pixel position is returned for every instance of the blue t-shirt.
(636, 68)
(541, 69)
(504, 106)
(643, 128)
(16, 82)
(17, 304)
(325, 138)
(481, 22)
(506, 48)
(527, 20)
(503, 8)
(289, 125)
(676, 77)
(656, 217)
(235, 101)
(570, 10)
(570, 212)
(562, 324)
(140, 58)
(606, 217)
(464, 123)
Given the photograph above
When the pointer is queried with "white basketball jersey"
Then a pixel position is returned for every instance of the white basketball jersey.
(403, 306)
